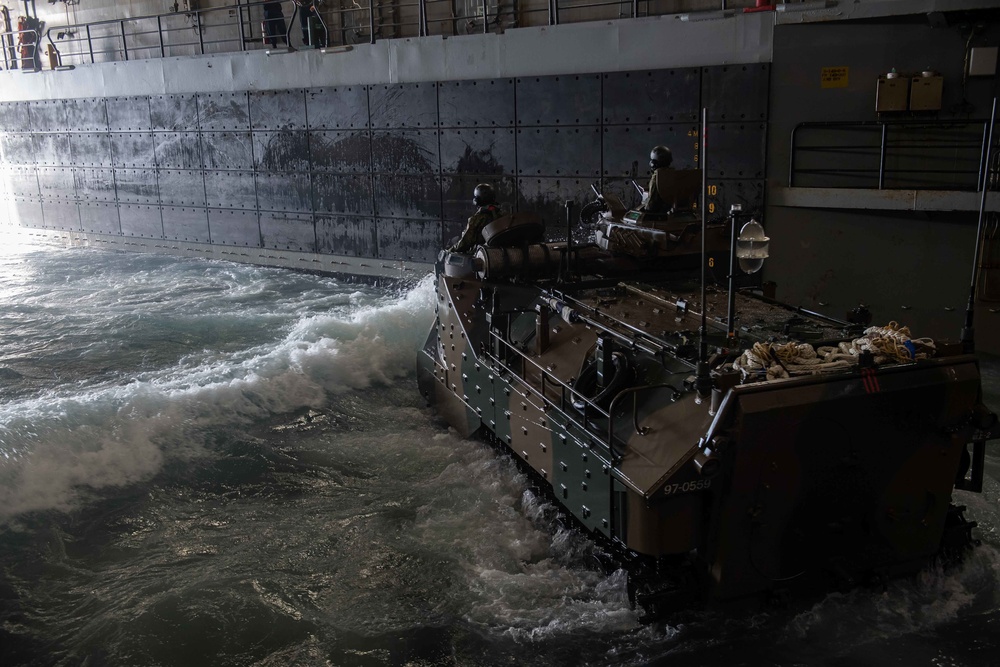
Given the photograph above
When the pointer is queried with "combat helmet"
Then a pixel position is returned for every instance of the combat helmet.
(660, 156)
(484, 195)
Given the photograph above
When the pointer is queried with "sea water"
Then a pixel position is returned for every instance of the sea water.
(205, 463)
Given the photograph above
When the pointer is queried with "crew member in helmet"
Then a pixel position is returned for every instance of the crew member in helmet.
(485, 199)
(661, 191)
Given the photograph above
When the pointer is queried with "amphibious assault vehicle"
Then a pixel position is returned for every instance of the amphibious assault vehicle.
(726, 446)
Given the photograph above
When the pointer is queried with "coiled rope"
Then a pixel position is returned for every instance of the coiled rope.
(891, 343)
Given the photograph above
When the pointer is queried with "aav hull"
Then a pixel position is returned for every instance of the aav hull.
(735, 489)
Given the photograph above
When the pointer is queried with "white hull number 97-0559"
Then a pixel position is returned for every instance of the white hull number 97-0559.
(686, 487)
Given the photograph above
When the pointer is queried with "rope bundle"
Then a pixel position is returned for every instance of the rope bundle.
(891, 343)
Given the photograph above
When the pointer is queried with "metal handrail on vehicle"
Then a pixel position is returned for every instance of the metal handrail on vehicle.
(590, 410)
(855, 154)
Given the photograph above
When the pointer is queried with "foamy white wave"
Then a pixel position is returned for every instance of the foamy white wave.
(53, 445)
(523, 577)
(908, 606)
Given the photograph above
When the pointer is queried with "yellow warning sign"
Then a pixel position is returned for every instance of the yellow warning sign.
(834, 77)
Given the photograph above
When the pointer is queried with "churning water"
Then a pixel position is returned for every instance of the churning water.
(205, 463)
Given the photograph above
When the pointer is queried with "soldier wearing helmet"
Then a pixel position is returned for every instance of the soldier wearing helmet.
(660, 193)
(487, 212)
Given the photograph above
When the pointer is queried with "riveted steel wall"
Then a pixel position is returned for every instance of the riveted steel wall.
(382, 171)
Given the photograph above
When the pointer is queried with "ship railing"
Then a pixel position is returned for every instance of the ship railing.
(891, 154)
(192, 32)
(19, 53)
(239, 26)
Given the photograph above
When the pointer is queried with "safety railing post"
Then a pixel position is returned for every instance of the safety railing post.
(90, 45)
(371, 20)
(121, 25)
(983, 157)
(791, 159)
(486, 18)
(159, 33)
(881, 158)
(239, 21)
(201, 34)
(422, 17)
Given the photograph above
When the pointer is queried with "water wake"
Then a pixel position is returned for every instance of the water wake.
(56, 445)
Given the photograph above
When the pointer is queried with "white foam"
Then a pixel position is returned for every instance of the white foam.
(57, 443)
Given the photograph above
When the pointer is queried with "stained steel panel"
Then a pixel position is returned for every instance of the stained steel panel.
(95, 185)
(90, 149)
(281, 151)
(559, 151)
(181, 187)
(185, 224)
(548, 196)
(284, 192)
(86, 115)
(457, 190)
(56, 183)
(136, 186)
(407, 197)
(48, 116)
(100, 218)
(626, 149)
(177, 113)
(346, 235)
(18, 148)
(227, 150)
(141, 221)
(723, 194)
(476, 103)
(335, 193)
(343, 152)
(652, 96)
(405, 152)
(414, 240)
(132, 149)
(129, 114)
(21, 181)
(52, 149)
(26, 213)
(234, 227)
(14, 117)
(230, 189)
(61, 215)
(223, 111)
(570, 99)
(404, 105)
(179, 150)
(736, 92)
(278, 110)
(479, 151)
(344, 107)
(288, 231)
(736, 150)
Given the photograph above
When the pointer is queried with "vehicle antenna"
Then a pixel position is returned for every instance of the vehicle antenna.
(703, 379)
(969, 331)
